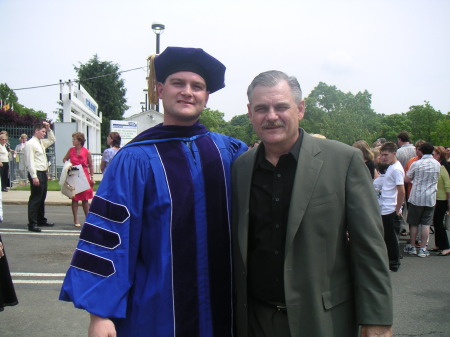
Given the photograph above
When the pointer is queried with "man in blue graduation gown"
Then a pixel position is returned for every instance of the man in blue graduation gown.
(154, 256)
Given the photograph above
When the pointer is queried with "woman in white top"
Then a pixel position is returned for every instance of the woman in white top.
(20, 158)
(4, 161)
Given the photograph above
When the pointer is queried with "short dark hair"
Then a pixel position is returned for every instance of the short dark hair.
(39, 126)
(426, 148)
(389, 147)
(403, 136)
(116, 139)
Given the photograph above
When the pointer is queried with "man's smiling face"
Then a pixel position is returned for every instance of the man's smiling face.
(184, 95)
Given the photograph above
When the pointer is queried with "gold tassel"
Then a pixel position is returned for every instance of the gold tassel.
(152, 83)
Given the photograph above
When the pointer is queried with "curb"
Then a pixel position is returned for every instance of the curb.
(47, 202)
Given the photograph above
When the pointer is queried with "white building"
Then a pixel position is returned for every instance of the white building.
(146, 119)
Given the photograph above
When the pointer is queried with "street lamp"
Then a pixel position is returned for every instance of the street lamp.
(158, 29)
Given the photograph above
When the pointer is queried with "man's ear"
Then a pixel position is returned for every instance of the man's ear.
(249, 111)
(207, 97)
(159, 89)
(301, 109)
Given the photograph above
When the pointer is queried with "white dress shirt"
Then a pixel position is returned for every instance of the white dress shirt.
(35, 155)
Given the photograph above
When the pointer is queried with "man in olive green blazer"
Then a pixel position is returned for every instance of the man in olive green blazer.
(335, 269)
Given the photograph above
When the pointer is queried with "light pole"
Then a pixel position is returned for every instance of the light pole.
(158, 29)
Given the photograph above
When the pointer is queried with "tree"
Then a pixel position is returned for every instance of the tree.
(9, 96)
(212, 119)
(12, 118)
(240, 127)
(102, 80)
(391, 125)
(341, 116)
(442, 134)
(424, 121)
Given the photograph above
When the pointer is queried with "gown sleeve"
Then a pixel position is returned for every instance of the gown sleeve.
(102, 268)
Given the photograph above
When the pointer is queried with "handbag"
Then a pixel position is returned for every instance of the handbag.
(68, 190)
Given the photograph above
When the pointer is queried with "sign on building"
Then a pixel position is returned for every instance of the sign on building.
(126, 129)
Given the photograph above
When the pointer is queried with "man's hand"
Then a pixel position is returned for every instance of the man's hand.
(36, 182)
(376, 331)
(47, 125)
(101, 327)
(1, 164)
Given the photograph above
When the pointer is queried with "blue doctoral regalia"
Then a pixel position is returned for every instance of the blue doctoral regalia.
(154, 253)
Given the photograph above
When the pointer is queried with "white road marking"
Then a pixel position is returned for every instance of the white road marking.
(40, 234)
(30, 278)
(38, 274)
(37, 282)
(46, 230)
(43, 233)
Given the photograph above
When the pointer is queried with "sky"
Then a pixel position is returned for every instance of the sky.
(397, 50)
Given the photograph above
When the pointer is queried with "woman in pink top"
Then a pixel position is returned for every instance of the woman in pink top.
(80, 155)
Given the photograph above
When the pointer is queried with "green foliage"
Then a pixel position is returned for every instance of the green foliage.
(239, 127)
(9, 96)
(107, 89)
(391, 125)
(424, 121)
(341, 116)
(441, 136)
(212, 119)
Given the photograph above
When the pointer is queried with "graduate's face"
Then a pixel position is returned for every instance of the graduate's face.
(184, 97)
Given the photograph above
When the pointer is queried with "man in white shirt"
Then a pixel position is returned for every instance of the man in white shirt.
(424, 175)
(37, 165)
(392, 197)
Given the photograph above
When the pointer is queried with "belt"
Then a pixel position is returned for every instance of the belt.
(278, 307)
(282, 308)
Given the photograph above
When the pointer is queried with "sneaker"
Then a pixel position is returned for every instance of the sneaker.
(423, 253)
(410, 250)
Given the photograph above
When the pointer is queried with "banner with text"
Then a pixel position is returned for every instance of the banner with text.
(126, 129)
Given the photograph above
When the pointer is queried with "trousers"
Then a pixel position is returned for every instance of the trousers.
(36, 202)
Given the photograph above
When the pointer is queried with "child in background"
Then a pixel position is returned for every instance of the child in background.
(378, 182)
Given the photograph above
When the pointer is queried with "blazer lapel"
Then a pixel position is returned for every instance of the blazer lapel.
(244, 183)
(306, 175)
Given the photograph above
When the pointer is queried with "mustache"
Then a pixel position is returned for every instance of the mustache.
(275, 124)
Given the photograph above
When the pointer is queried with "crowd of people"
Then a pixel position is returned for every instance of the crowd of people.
(202, 236)
(413, 188)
